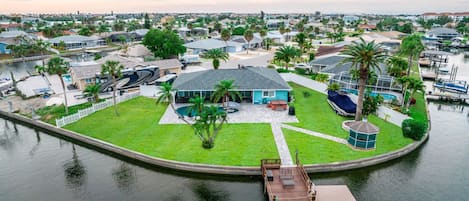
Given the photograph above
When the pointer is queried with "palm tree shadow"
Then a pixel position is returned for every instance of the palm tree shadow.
(124, 176)
(207, 192)
(75, 172)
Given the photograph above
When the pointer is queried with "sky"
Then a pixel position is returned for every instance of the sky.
(239, 6)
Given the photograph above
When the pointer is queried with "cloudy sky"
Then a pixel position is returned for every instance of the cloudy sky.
(284, 6)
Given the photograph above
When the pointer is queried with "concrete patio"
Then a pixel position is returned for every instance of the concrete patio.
(248, 113)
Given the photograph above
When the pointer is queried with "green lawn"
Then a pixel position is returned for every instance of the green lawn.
(314, 113)
(137, 129)
(50, 113)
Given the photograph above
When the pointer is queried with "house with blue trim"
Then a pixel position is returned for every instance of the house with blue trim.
(257, 85)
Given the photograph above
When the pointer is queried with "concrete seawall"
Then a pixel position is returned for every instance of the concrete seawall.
(209, 169)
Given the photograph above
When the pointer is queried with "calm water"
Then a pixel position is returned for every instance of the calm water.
(37, 166)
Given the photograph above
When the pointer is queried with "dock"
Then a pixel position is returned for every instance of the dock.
(447, 96)
(292, 183)
(428, 75)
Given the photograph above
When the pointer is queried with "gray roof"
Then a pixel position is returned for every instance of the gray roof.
(364, 127)
(141, 32)
(72, 39)
(208, 44)
(12, 34)
(248, 78)
(446, 31)
(334, 66)
(241, 39)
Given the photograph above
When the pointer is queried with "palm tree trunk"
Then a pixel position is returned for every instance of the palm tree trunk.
(411, 58)
(408, 101)
(114, 94)
(247, 49)
(361, 94)
(65, 93)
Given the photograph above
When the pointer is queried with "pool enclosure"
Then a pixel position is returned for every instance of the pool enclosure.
(381, 83)
(362, 135)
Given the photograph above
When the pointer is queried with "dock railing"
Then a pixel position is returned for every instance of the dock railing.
(269, 164)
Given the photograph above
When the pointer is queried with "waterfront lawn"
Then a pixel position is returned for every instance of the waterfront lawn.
(419, 110)
(314, 113)
(137, 129)
(50, 113)
(314, 150)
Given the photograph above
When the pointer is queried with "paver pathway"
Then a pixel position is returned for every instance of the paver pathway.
(385, 113)
(282, 146)
(316, 134)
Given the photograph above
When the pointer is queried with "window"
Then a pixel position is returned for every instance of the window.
(89, 81)
(268, 94)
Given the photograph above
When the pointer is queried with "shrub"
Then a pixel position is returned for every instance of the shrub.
(322, 77)
(306, 94)
(300, 71)
(413, 129)
(97, 57)
(333, 87)
(271, 66)
(282, 70)
(313, 76)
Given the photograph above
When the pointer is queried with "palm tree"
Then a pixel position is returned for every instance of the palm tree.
(93, 90)
(114, 70)
(366, 56)
(396, 66)
(224, 90)
(197, 105)
(216, 55)
(301, 40)
(286, 54)
(42, 46)
(225, 35)
(263, 34)
(415, 84)
(404, 81)
(56, 66)
(248, 35)
(412, 47)
(287, 31)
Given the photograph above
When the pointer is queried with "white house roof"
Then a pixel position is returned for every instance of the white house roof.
(72, 39)
(208, 44)
(141, 32)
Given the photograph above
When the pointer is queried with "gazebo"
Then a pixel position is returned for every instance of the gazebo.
(363, 135)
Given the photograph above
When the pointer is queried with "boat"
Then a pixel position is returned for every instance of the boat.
(341, 103)
(5, 84)
(443, 70)
(458, 86)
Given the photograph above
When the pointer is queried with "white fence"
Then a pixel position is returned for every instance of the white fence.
(94, 108)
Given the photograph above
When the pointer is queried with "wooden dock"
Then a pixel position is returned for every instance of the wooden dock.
(294, 184)
(447, 96)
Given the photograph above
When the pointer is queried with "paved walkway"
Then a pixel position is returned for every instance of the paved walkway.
(316, 134)
(383, 112)
(282, 146)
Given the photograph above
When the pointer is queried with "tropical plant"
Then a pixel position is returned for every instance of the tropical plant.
(267, 42)
(396, 66)
(404, 82)
(366, 57)
(92, 90)
(114, 70)
(301, 40)
(286, 54)
(333, 86)
(320, 77)
(415, 84)
(85, 31)
(197, 105)
(225, 90)
(164, 43)
(371, 103)
(165, 95)
(42, 47)
(263, 34)
(248, 36)
(56, 66)
(225, 35)
(216, 55)
(412, 47)
(208, 124)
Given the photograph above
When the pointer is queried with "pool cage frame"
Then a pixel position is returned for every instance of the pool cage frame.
(383, 82)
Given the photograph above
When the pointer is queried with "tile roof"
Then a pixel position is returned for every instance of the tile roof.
(248, 78)
(208, 44)
(364, 127)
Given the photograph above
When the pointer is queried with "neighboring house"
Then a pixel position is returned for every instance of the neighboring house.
(348, 19)
(333, 65)
(140, 33)
(85, 73)
(204, 45)
(257, 85)
(77, 42)
(441, 34)
(256, 41)
(274, 24)
(275, 36)
(10, 38)
(367, 27)
(11, 27)
(390, 40)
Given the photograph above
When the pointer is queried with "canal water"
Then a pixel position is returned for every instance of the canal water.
(37, 166)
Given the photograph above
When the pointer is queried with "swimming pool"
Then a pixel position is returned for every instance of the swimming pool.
(387, 97)
(67, 78)
(184, 111)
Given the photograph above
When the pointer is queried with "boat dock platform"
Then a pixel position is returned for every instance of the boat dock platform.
(428, 75)
(447, 96)
(292, 183)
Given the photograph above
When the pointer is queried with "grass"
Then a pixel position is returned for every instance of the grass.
(137, 129)
(50, 113)
(314, 150)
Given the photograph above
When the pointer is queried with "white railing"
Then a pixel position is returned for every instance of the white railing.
(94, 108)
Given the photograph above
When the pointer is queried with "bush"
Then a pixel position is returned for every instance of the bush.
(282, 70)
(306, 94)
(413, 129)
(313, 76)
(97, 57)
(321, 77)
(271, 66)
(300, 71)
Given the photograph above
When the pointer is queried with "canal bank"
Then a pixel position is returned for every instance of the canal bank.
(207, 168)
